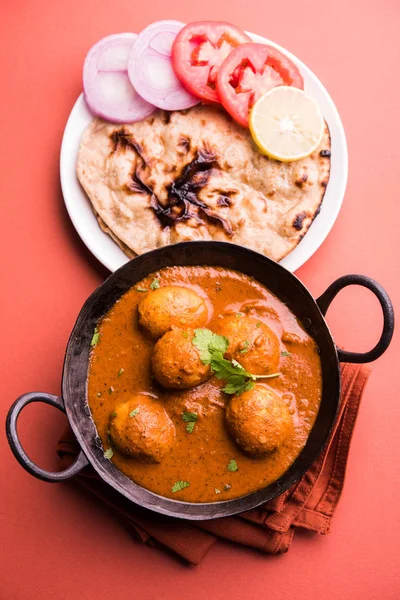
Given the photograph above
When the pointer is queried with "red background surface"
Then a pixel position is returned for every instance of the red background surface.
(56, 542)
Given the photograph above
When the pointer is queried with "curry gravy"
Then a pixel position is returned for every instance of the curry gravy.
(120, 366)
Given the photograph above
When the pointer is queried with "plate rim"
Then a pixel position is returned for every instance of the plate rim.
(291, 261)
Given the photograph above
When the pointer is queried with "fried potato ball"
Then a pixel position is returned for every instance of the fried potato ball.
(172, 306)
(252, 343)
(176, 361)
(259, 420)
(141, 428)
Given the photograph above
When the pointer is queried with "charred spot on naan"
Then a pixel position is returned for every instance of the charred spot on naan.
(122, 139)
(137, 184)
(184, 143)
(225, 197)
(301, 180)
(183, 202)
(298, 222)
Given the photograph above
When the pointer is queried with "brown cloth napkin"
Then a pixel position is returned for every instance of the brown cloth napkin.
(309, 504)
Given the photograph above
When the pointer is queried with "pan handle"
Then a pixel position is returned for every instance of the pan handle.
(325, 300)
(19, 452)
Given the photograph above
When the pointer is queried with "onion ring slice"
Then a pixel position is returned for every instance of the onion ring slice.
(150, 67)
(108, 90)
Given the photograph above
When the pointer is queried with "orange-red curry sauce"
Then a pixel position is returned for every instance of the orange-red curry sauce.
(202, 457)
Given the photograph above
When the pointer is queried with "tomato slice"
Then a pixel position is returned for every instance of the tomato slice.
(198, 51)
(248, 72)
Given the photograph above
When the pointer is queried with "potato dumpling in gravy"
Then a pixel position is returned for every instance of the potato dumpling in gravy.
(252, 343)
(259, 420)
(176, 361)
(141, 428)
(172, 306)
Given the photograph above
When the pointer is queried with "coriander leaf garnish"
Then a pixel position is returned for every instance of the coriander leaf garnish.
(286, 353)
(238, 386)
(217, 491)
(190, 420)
(141, 289)
(120, 372)
(179, 485)
(110, 390)
(245, 348)
(185, 334)
(155, 284)
(224, 369)
(239, 314)
(134, 412)
(108, 453)
(232, 466)
(95, 338)
(114, 414)
(212, 348)
(208, 344)
(218, 344)
(258, 324)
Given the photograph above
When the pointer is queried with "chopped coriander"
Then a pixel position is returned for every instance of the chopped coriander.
(155, 284)
(141, 289)
(134, 412)
(185, 334)
(113, 414)
(95, 338)
(108, 453)
(190, 420)
(286, 353)
(239, 314)
(179, 485)
(227, 487)
(217, 491)
(110, 390)
(232, 466)
(120, 372)
(245, 348)
(258, 324)
(212, 348)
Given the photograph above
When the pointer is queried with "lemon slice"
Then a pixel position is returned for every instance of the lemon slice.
(286, 124)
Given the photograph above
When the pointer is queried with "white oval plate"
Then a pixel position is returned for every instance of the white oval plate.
(109, 253)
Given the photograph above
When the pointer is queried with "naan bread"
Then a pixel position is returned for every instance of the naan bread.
(197, 175)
